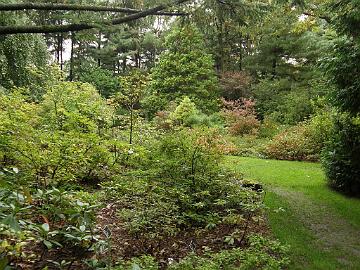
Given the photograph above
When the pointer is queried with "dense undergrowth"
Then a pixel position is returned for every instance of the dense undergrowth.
(115, 162)
(65, 160)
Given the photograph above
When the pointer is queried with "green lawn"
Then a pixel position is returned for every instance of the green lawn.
(321, 226)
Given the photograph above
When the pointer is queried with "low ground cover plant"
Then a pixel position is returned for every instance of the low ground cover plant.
(36, 224)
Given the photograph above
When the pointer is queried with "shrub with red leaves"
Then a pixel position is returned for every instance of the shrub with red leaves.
(240, 116)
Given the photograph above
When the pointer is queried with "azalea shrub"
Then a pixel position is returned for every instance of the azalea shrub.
(304, 141)
(240, 116)
(235, 84)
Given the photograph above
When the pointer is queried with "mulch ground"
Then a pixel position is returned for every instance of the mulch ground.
(169, 248)
(166, 249)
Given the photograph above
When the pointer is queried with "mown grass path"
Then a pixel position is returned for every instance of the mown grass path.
(321, 226)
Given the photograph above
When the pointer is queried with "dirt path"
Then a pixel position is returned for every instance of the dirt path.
(331, 230)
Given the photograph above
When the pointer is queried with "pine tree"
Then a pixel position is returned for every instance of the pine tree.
(185, 69)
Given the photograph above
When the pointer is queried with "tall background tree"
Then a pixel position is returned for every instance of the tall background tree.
(184, 69)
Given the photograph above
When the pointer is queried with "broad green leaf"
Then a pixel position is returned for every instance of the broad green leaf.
(45, 227)
(135, 266)
(12, 222)
(48, 244)
(82, 228)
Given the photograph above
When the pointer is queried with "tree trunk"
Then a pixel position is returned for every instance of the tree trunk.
(61, 51)
(99, 48)
(71, 75)
(274, 68)
(131, 125)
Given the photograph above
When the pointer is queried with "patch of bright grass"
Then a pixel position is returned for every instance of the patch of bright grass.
(308, 180)
(304, 253)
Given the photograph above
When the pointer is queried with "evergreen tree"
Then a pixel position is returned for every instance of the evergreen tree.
(185, 69)
(184, 111)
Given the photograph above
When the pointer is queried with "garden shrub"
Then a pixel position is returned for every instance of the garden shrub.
(341, 157)
(291, 145)
(163, 121)
(269, 128)
(184, 111)
(36, 221)
(249, 146)
(104, 80)
(182, 185)
(284, 101)
(240, 116)
(186, 115)
(304, 141)
(235, 85)
(60, 139)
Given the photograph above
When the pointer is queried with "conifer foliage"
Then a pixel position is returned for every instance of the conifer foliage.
(185, 69)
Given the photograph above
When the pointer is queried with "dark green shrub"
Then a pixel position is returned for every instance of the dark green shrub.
(341, 157)
(284, 101)
(104, 80)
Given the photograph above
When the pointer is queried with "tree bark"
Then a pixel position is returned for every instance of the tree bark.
(6, 30)
(99, 48)
(71, 73)
(131, 125)
(72, 7)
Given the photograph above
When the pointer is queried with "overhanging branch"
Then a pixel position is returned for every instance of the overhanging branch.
(6, 30)
(72, 7)
(311, 14)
